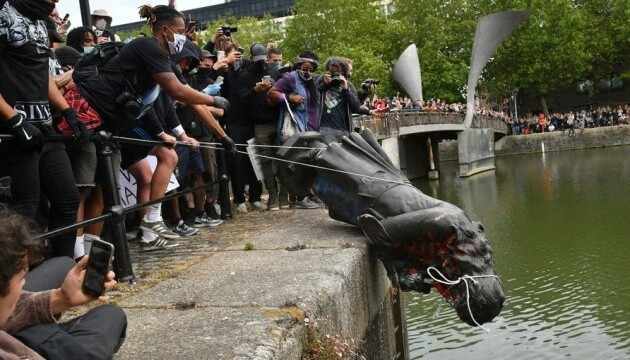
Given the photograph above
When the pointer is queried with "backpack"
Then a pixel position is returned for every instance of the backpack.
(106, 88)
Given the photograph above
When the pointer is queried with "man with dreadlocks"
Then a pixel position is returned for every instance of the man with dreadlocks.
(144, 68)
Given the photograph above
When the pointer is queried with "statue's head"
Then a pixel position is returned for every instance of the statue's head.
(448, 241)
(467, 255)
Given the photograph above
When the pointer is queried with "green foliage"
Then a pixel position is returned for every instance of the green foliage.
(563, 43)
(350, 28)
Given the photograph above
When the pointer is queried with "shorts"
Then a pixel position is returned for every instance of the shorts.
(189, 161)
(84, 161)
(132, 153)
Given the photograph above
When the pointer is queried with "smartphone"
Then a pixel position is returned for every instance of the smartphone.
(267, 78)
(101, 254)
(65, 18)
(220, 55)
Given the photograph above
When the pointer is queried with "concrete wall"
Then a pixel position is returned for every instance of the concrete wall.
(476, 151)
(558, 141)
(260, 304)
(555, 141)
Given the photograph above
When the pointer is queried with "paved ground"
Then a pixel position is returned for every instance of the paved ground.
(211, 298)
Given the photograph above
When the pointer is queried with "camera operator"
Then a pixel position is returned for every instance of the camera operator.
(25, 91)
(28, 320)
(339, 100)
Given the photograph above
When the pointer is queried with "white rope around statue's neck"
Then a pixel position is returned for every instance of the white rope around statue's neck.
(446, 281)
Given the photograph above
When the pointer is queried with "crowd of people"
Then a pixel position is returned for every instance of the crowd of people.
(591, 117)
(159, 95)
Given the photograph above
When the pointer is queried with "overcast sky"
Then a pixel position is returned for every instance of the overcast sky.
(124, 11)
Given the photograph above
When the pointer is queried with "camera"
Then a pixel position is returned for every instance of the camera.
(370, 82)
(228, 30)
(335, 79)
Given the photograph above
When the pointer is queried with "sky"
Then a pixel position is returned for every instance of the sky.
(124, 11)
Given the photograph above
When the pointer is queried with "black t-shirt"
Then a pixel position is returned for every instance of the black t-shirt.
(142, 58)
(24, 56)
(335, 112)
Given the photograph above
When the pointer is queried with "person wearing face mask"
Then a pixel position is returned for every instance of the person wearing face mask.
(143, 67)
(298, 90)
(27, 92)
(82, 39)
(101, 21)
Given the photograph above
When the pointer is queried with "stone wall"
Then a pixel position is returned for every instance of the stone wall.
(555, 141)
(558, 141)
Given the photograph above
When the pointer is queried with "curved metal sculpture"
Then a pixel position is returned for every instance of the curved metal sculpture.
(408, 230)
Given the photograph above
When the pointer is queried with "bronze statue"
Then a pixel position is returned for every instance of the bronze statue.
(408, 230)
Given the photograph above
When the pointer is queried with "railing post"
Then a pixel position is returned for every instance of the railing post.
(114, 229)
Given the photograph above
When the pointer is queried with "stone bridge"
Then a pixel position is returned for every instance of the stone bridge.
(411, 139)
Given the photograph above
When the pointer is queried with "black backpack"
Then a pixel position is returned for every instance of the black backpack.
(106, 88)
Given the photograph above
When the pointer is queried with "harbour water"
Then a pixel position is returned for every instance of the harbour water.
(559, 224)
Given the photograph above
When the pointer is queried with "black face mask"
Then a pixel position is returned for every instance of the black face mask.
(33, 9)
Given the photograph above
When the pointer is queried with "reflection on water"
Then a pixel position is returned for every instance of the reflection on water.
(560, 228)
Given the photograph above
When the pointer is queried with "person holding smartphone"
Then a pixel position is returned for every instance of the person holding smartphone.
(28, 320)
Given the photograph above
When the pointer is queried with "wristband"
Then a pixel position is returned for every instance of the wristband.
(179, 130)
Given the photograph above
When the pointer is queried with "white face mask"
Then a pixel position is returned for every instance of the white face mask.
(88, 49)
(176, 46)
(100, 24)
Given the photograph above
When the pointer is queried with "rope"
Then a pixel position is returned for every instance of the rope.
(183, 143)
(446, 281)
(205, 145)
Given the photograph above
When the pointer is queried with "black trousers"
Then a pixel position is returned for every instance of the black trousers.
(98, 334)
(240, 167)
(49, 172)
(48, 275)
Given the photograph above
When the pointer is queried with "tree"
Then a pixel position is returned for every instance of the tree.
(350, 28)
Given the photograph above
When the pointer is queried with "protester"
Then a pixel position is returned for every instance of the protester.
(299, 99)
(101, 22)
(256, 81)
(26, 93)
(241, 129)
(339, 100)
(146, 61)
(29, 320)
(82, 39)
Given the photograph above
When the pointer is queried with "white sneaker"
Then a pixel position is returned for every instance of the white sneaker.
(157, 244)
(241, 208)
(158, 228)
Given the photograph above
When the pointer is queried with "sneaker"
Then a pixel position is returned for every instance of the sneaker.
(206, 221)
(159, 229)
(306, 203)
(273, 204)
(184, 230)
(257, 205)
(241, 208)
(157, 244)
